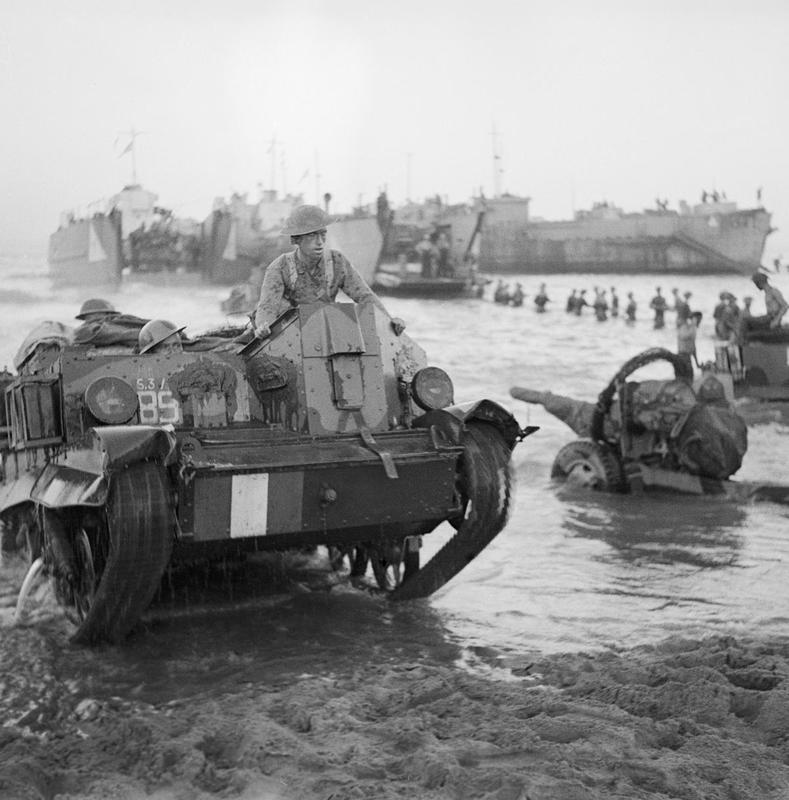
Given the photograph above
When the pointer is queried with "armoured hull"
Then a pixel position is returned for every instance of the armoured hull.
(710, 238)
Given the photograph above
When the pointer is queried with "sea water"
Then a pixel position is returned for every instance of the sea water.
(573, 569)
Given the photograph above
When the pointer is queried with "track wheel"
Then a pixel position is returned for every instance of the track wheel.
(137, 540)
(484, 483)
(394, 561)
(591, 464)
(356, 556)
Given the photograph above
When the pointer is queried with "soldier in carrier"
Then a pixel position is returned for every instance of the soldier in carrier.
(160, 336)
(310, 273)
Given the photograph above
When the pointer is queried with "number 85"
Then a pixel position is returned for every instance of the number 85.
(159, 408)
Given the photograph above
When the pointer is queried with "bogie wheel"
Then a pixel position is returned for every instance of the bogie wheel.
(137, 540)
(386, 560)
(394, 561)
(356, 556)
(485, 483)
(591, 464)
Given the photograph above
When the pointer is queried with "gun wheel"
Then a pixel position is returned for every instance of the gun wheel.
(590, 464)
(485, 483)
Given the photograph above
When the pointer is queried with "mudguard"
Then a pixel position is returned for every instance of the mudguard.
(82, 477)
(18, 491)
(452, 420)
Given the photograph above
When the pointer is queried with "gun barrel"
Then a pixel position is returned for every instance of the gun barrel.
(576, 414)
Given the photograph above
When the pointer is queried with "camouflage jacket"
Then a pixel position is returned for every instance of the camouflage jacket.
(290, 281)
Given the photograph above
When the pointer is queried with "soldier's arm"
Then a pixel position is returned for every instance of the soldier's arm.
(271, 293)
(356, 287)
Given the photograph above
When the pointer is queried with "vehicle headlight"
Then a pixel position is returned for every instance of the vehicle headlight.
(432, 388)
(111, 400)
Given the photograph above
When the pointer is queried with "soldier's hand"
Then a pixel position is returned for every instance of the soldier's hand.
(398, 326)
(262, 331)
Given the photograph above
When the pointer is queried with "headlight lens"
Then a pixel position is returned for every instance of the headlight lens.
(432, 388)
(111, 400)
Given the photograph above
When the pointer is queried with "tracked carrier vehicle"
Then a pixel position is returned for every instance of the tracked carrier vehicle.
(332, 431)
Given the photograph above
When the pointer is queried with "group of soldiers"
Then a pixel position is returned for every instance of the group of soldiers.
(154, 336)
(602, 303)
(733, 323)
(434, 255)
(504, 296)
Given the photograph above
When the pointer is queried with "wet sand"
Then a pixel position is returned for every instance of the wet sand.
(695, 719)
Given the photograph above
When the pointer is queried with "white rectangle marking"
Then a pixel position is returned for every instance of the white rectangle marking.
(248, 505)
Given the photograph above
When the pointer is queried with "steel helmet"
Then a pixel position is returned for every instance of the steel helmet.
(154, 332)
(96, 306)
(306, 219)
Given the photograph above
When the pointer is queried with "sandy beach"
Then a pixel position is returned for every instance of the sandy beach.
(690, 719)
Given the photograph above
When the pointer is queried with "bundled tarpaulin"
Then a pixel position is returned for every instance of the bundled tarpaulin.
(50, 333)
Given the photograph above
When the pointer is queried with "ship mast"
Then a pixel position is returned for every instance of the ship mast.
(498, 169)
(132, 134)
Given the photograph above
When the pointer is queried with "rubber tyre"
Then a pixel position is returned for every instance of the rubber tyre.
(485, 481)
(138, 538)
(591, 464)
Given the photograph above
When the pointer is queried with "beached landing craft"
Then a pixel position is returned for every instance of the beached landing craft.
(676, 434)
(331, 431)
(713, 236)
(129, 234)
(425, 249)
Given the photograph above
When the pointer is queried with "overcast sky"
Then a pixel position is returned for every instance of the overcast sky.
(607, 100)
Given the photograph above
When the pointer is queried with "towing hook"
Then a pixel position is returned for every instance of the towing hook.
(528, 430)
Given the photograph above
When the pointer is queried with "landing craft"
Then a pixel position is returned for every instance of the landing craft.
(331, 431)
